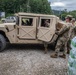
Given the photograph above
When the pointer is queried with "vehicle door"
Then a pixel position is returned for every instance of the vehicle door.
(46, 28)
(27, 27)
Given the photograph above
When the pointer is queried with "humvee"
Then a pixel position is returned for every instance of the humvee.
(30, 28)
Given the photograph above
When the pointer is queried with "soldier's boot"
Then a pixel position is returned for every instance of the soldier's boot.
(63, 56)
(45, 51)
(54, 55)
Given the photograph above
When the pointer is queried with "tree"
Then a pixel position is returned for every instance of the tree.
(40, 6)
(34, 6)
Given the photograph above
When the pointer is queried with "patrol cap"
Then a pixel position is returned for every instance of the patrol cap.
(69, 17)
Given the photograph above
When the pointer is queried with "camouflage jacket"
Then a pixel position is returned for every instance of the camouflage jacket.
(65, 31)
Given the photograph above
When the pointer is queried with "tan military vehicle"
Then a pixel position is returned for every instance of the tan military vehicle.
(29, 29)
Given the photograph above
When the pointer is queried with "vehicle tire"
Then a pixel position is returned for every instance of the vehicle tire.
(2, 43)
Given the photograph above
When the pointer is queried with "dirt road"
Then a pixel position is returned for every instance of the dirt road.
(30, 60)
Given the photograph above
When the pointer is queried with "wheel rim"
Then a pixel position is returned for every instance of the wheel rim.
(0, 44)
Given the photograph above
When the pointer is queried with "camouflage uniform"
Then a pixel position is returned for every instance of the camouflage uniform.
(64, 36)
(62, 41)
(70, 33)
(69, 23)
(73, 32)
(73, 21)
(73, 28)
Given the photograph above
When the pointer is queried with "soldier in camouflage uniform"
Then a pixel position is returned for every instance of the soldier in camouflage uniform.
(62, 41)
(73, 31)
(68, 20)
(73, 21)
(64, 36)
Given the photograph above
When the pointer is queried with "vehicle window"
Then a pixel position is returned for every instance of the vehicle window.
(27, 21)
(45, 22)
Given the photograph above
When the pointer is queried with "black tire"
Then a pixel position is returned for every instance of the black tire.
(2, 43)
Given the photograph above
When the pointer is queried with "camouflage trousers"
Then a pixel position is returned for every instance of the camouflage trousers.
(61, 43)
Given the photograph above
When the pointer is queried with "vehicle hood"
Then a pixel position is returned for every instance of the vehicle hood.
(4, 24)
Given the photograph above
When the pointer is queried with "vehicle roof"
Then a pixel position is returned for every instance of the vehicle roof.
(34, 14)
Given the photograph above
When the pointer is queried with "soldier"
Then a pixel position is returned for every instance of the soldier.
(73, 21)
(62, 41)
(68, 20)
(46, 23)
(73, 29)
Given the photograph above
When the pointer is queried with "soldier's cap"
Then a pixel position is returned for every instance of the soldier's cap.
(68, 16)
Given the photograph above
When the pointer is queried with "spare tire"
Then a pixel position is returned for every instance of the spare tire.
(2, 42)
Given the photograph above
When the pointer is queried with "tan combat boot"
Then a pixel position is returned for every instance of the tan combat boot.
(63, 56)
(54, 55)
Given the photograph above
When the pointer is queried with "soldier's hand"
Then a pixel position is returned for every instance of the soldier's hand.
(57, 32)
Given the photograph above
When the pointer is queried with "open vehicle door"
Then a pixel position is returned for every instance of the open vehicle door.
(46, 28)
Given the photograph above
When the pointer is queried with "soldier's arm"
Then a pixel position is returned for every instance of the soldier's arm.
(63, 29)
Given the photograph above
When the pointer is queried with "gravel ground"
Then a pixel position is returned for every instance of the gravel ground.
(30, 60)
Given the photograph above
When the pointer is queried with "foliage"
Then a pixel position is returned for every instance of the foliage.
(64, 14)
(40, 6)
(34, 6)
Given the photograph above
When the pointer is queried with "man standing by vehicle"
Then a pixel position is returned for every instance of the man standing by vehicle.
(68, 20)
(63, 37)
(61, 42)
